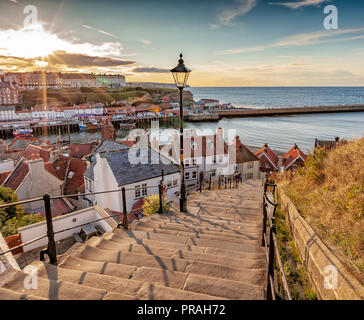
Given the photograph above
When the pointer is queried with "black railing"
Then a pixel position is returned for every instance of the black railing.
(223, 182)
(271, 245)
(51, 251)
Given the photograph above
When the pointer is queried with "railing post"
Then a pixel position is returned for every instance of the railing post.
(51, 250)
(210, 182)
(201, 180)
(264, 222)
(160, 197)
(125, 213)
(219, 182)
(225, 182)
(271, 261)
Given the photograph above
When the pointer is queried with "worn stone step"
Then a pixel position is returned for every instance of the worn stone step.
(249, 276)
(178, 253)
(117, 288)
(207, 219)
(53, 289)
(204, 222)
(226, 288)
(6, 294)
(188, 227)
(257, 254)
(251, 239)
(223, 244)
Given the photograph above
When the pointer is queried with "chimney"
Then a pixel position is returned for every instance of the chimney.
(36, 166)
(220, 133)
(107, 130)
(337, 139)
(266, 147)
(295, 146)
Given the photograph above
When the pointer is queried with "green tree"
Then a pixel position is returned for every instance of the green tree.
(13, 217)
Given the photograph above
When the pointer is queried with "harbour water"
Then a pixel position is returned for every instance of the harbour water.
(280, 132)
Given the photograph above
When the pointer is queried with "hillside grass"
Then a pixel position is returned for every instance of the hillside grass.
(329, 193)
(96, 95)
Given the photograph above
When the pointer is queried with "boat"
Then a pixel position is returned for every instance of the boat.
(89, 126)
(22, 132)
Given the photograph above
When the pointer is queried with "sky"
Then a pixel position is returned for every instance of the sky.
(225, 42)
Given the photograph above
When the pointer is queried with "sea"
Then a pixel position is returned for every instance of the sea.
(280, 132)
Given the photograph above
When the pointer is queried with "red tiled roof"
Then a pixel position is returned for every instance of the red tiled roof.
(131, 216)
(243, 153)
(36, 150)
(3, 176)
(17, 176)
(269, 154)
(80, 150)
(70, 171)
(292, 155)
(58, 208)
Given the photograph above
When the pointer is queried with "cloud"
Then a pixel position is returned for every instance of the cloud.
(241, 8)
(150, 70)
(98, 30)
(304, 39)
(299, 4)
(77, 60)
(147, 42)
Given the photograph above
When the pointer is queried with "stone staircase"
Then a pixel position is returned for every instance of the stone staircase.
(211, 252)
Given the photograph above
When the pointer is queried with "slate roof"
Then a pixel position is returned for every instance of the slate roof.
(107, 145)
(126, 173)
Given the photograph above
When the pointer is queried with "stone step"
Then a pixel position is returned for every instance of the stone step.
(188, 227)
(6, 294)
(53, 289)
(190, 283)
(122, 289)
(192, 220)
(222, 244)
(248, 276)
(254, 254)
(238, 263)
(251, 239)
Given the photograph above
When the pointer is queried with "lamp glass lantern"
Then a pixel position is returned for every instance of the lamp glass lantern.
(180, 73)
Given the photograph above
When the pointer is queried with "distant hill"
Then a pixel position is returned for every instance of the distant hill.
(59, 97)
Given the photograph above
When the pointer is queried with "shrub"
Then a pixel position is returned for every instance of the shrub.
(151, 205)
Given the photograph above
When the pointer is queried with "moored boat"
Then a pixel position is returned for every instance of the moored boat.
(22, 132)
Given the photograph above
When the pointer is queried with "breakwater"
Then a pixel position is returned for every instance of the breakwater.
(243, 112)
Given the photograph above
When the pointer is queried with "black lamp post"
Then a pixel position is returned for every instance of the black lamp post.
(180, 75)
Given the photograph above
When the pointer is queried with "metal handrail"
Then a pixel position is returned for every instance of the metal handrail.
(272, 250)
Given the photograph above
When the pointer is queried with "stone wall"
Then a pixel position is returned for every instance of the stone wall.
(320, 261)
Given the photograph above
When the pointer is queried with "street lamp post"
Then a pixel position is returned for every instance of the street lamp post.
(180, 75)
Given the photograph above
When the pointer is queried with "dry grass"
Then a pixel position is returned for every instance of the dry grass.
(329, 193)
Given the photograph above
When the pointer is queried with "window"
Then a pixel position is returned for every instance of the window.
(144, 190)
(187, 175)
(187, 163)
(175, 182)
(194, 174)
(169, 184)
(236, 167)
(249, 175)
(137, 191)
(250, 165)
(194, 161)
(267, 165)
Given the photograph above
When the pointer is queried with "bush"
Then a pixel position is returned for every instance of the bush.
(151, 205)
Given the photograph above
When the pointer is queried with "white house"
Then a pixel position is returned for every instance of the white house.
(139, 171)
(7, 113)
